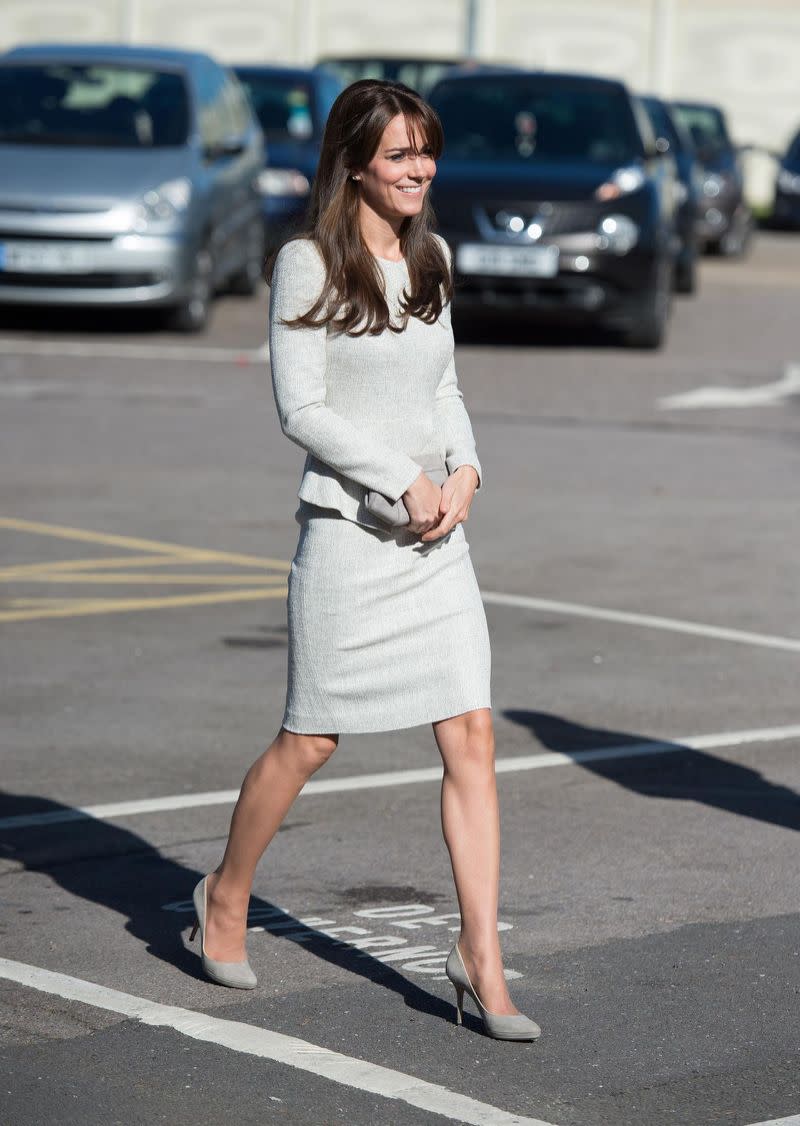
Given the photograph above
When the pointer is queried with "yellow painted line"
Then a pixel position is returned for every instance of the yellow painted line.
(132, 577)
(123, 605)
(106, 564)
(136, 543)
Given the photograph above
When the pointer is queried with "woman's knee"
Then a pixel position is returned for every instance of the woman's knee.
(309, 752)
(467, 741)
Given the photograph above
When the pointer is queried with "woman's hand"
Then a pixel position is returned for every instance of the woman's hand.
(423, 500)
(456, 497)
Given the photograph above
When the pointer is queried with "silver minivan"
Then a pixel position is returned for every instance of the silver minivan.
(128, 177)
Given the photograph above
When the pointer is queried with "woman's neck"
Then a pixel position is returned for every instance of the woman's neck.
(382, 236)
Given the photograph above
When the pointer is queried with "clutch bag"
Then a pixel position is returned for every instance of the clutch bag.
(395, 513)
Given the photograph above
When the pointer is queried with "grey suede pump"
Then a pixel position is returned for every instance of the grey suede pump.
(496, 1025)
(237, 975)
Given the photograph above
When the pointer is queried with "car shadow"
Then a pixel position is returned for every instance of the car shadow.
(499, 328)
(681, 773)
(107, 864)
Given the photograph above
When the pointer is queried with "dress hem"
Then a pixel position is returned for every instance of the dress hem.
(318, 729)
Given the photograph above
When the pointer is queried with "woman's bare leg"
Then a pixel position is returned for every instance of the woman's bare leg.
(269, 788)
(471, 827)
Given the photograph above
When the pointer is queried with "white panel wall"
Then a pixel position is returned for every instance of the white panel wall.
(740, 53)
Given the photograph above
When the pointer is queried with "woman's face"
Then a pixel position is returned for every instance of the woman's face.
(395, 181)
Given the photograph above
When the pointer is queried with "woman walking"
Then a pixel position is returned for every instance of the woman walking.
(386, 624)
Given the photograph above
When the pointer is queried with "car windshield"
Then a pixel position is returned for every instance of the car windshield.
(706, 126)
(792, 158)
(283, 105)
(419, 74)
(532, 121)
(95, 104)
(663, 125)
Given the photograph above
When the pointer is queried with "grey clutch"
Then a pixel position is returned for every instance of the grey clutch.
(395, 513)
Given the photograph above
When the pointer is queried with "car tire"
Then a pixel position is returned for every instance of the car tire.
(650, 326)
(686, 274)
(246, 282)
(193, 313)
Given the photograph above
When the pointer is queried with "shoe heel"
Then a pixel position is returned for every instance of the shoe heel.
(459, 1003)
(194, 930)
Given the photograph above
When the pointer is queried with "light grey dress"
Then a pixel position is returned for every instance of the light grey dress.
(385, 631)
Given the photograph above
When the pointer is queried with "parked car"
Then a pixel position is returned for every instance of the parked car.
(556, 201)
(725, 221)
(292, 106)
(786, 209)
(418, 73)
(672, 138)
(129, 179)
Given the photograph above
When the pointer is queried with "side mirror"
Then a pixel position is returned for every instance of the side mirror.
(228, 146)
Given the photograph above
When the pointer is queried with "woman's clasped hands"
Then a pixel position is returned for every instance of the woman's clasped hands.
(434, 511)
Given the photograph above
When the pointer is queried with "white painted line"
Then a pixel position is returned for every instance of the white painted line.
(265, 1044)
(117, 351)
(715, 398)
(624, 617)
(793, 1120)
(112, 810)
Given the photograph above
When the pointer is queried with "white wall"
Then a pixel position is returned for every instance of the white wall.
(742, 54)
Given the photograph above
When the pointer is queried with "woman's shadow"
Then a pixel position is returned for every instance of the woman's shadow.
(677, 772)
(104, 863)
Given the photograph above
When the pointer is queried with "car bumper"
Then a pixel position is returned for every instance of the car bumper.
(124, 270)
(590, 287)
(786, 209)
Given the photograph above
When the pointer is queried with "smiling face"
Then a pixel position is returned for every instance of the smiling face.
(396, 180)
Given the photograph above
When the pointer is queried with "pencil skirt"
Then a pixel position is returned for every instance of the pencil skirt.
(385, 631)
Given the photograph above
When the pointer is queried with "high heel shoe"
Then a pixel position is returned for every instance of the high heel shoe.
(497, 1025)
(237, 975)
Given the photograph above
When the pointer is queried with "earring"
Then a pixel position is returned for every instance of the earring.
(355, 177)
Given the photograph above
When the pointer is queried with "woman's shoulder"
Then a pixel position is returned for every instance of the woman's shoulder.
(300, 254)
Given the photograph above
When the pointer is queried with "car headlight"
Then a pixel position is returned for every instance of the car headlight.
(622, 182)
(283, 181)
(789, 181)
(163, 205)
(713, 184)
(617, 233)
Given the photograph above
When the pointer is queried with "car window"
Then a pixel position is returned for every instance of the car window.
(662, 123)
(533, 121)
(214, 112)
(93, 104)
(793, 153)
(283, 105)
(706, 126)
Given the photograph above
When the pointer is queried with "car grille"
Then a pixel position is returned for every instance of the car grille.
(79, 281)
(559, 217)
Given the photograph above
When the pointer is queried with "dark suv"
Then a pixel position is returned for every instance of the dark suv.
(725, 220)
(556, 201)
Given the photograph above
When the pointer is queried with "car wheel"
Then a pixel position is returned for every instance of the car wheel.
(246, 282)
(650, 326)
(686, 274)
(192, 315)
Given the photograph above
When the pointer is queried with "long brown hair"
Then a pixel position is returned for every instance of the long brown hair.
(352, 299)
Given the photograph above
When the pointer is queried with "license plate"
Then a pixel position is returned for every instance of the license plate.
(42, 258)
(508, 261)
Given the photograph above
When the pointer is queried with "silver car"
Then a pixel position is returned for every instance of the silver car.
(128, 177)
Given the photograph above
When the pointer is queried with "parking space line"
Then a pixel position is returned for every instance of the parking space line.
(83, 607)
(792, 1120)
(649, 621)
(237, 1036)
(111, 810)
(100, 349)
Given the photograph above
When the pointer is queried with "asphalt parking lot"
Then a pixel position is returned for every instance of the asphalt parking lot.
(636, 541)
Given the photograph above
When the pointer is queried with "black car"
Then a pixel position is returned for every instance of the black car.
(725, 221)
(672, 138)
(786, 210)
(418, 73)
(556, 201)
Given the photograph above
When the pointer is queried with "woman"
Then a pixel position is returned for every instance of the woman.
(386, 624)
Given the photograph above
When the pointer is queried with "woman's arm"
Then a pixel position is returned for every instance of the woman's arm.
(298, 360)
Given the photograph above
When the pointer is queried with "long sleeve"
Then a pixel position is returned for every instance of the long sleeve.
(298, 360)
(455, 422)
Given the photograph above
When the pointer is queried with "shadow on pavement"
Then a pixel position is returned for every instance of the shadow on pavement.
(682, 773)
(109, 865)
